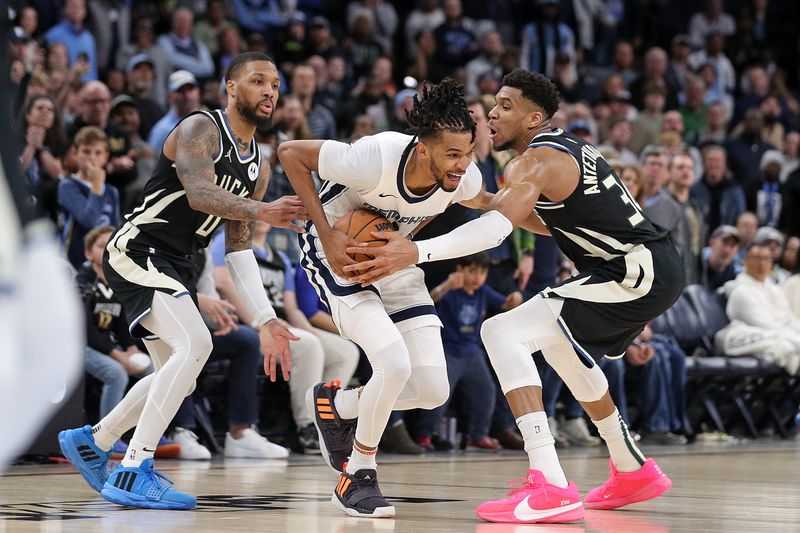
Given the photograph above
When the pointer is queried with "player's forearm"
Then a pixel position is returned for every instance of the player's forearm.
(534, 224)
(296, 164)
(475, 236)
(205, 196)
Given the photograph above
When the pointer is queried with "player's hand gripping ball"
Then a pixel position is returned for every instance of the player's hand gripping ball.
(358, 224)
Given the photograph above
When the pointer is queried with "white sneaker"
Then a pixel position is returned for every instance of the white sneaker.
(577, 432)
(253, 446)
(561, 440)
(191, 449)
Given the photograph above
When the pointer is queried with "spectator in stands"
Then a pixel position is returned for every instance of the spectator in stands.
(783, 269)
(719, 198)
(109, 345)
(712, 20)
(545, 39)
(186, 52)
(762, 322)
(85, 200)
(321, 41)
(208, 29)
(145, 43)
(426, 17)
(487, 62)
(715, 130)
(747, 226)
(764, 195)
(646, 127)
(290, 49)
(290, 120)
(719, 257)
(260, 16)
(462, 303)
(656, 174)
(656, 63)
(230, 46)
(141, 76)
(125, 116)
(72, 33)
(693, 108)
(385, 17)
(95, 101)
(791, 154)
(659, 367)
(755, 87)
(619, 135)
(240, 345)
(184, 97)
(362, 48)
(45, 142)
(773, 131)
(774, 240)
(688, 231)
(110, 26)
(633, 178)
(372, 101)
(455, 43)
(746, 150)
(317, 356)
(321, 123)
(714, 54)
(672, 122)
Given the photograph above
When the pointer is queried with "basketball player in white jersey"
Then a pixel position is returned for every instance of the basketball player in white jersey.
(409, 179)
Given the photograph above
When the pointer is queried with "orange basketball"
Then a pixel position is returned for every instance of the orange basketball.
(358, 224)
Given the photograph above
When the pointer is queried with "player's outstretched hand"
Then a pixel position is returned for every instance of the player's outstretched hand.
(275, 337)
(282, 212)
(397, 254)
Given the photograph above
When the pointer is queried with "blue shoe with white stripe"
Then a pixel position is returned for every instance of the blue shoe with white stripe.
(79, 448)
(142, 487)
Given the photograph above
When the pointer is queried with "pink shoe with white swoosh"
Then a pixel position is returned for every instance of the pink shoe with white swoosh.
(625, 488)
(533, 500)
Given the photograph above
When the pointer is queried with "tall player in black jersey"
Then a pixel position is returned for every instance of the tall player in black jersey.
(629, 274)
(209, 171)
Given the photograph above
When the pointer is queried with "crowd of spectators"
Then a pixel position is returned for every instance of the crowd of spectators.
(695, 104)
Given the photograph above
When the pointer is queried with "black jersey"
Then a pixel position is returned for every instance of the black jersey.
(165, 221)
(600, 220)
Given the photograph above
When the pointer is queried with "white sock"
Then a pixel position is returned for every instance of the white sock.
(361, 461)
(137, 453)
(540, 445)
(346, 403)
(103, 437)
(626, 456)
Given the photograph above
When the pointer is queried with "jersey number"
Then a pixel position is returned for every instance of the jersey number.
(637, 217)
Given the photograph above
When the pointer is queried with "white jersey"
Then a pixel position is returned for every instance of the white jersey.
(369, 174)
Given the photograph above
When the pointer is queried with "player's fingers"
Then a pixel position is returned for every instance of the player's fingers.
(296, 228)
(273, 364)
(288, 335)
(358, 267)
(286, 365)
(383, 234)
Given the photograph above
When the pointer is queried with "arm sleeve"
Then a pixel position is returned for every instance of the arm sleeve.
(358, 165)
(247, 279)
(487, 231)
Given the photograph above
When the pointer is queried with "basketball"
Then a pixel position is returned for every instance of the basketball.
(358, 224)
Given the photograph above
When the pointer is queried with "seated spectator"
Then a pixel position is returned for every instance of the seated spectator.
(791, 154)
(788, 261)
(634, 180)
(319, 356)
(719, 257)
(125, 116)
(656, 175)
(85, 200)
(208, 29)
(462, 303)
(186, 52)
(764, 195)
(718, 197)
(141, 79)
(746, 150)
(145, 44)
(716, 129)
(546, 38)
(362, 47)
(762, 322)
(184, 97)
(111, 352)
(660, 371)
(773, 239)
(746, 226)
(619, 135)
(646, 128)
(385, 17)
(72, 33)
(304, 87)
(456, 44)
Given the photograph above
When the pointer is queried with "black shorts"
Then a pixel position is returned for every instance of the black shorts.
(135, 274)
(607, 306)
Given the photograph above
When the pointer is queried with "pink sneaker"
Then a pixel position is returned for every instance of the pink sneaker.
(625, 488)
(534, 501)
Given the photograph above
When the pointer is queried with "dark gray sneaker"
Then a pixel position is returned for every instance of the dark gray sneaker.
(336, 435)
(359, 495)
(308, 438)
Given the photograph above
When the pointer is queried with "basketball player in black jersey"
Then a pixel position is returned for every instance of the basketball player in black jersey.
(629, 274)
(209, 171)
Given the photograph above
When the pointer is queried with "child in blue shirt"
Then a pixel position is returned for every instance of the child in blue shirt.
(462, 302)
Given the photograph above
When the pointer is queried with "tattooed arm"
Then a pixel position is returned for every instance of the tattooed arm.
(196, 141)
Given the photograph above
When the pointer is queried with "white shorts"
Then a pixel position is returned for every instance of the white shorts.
(403, 294)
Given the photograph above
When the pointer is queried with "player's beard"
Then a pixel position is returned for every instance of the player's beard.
(440, 176)
(249, 112)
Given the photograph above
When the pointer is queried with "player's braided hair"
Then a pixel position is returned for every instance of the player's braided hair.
(535, 87)
(442, 108)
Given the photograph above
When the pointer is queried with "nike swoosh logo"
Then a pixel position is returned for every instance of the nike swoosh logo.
(429, 257)
(382, 195)
(149, 450)
(523, 511)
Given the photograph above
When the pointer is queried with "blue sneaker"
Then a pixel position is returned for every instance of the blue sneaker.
(79, 448)
(142, 487)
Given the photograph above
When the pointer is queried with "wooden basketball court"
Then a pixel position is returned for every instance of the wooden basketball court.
(739, 487)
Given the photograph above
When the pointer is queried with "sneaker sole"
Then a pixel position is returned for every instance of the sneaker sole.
(649, 492)
(128, 499)
(70, 450)
(558, 517)
(380, 512)
(310, 405)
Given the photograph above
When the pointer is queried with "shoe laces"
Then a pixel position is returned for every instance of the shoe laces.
(519, 484)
